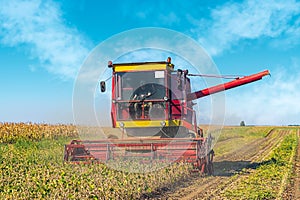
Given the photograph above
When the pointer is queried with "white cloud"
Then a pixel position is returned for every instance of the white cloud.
(274, 100)
(248, 20)
(40, 27)
(271, 101)
(169, 18)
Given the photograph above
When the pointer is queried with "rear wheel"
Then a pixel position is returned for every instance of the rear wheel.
(200, 133)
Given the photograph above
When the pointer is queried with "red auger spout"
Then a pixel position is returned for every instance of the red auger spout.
(232, 84)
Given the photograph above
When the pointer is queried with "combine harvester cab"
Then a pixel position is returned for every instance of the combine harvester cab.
(152, 105)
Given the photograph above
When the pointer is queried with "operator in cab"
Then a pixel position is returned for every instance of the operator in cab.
(142, 93)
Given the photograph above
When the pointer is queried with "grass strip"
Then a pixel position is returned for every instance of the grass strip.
(265, 179)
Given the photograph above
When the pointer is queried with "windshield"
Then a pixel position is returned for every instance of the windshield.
(140, 85)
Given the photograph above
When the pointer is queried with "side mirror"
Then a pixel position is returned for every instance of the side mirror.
(102, 86)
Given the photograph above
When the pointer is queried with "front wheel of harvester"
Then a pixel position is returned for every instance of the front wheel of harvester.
(210, 169)
(210, 165)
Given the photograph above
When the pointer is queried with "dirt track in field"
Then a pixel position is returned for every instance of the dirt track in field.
(296, 179)
(293, 189)
(225, 166)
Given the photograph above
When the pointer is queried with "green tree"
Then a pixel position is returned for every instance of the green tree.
(242, 123)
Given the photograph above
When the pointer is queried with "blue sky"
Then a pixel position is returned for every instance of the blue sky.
(44, 43)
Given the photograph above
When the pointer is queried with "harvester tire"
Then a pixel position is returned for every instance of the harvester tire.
(210, 169)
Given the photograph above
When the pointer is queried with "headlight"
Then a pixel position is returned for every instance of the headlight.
(121, 124)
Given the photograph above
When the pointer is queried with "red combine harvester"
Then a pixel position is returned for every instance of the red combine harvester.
(153, 104)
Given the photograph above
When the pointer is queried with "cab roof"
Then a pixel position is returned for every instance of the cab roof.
(142, 66)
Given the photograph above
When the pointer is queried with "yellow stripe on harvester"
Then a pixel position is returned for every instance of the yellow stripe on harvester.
(144, 67)
(148, 123)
